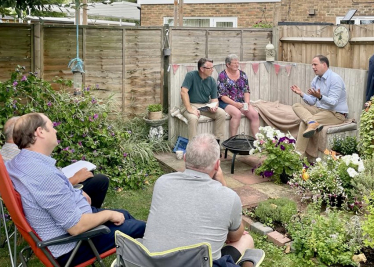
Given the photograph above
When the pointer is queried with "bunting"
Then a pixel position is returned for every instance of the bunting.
(267, 66)
(175, 68)
(255, 67)
(277, 68)
(190, 68)
(242, 66)
(219, 68)
(288, 69)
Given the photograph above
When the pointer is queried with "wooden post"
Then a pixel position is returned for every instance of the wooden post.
(165, 99)
(37, 49)
(175, 12)
(84, 12)
(77, 12)
(180, 12)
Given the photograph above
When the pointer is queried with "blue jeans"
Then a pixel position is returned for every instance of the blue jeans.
(131, 227)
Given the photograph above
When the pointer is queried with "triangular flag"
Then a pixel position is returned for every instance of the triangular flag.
(219, 68)
(288, 69)
(175, 68)
(242, 65)
(277, 68)
(190, 68)
(267, 66)
(255, 67)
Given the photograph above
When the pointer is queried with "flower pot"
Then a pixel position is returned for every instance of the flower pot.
(157, 115)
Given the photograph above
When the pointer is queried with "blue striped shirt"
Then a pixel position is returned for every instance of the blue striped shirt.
(333, 90)
(50, 203)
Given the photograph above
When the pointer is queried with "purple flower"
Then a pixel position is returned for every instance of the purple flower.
(95, 116)
(84, 135)
(93, 101)
(55, 123)
(49, 104)
(58, 141)
(66, 148)
(83, 158)
(97, 86)
(24, 78)
(129, 132)
(90, 119)
(73, 160)
(268, 173)
(88, 88)
(80, 143)
(113, 134)
(15, 83)
(125, 155)
(282, 147)
(72, 151)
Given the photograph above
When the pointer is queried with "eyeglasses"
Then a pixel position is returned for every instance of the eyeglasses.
(208, 68)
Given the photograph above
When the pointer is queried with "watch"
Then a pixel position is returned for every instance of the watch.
(320, 98)
(341, 36)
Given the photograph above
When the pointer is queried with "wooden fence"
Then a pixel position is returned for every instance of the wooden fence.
(267, 85)
(298, 43)
(126, 63)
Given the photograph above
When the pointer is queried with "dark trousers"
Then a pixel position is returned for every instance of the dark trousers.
(96, 187)
(131, 227)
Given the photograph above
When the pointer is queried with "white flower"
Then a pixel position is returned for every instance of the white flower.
(252, 151)
(318, 159)
(361, 166)
(270, 135)
(352, 172)
(256, 143)
(259, 136)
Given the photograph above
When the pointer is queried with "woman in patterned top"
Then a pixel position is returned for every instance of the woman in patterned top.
(233, 94)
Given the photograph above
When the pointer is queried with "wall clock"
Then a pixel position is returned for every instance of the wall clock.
(341, 36)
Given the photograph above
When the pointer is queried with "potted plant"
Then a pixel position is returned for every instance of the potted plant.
(155, 112)
(282, 160)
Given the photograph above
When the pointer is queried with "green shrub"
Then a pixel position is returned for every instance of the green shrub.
(368, 224)
(345, 146)
(366, 145)
(87, 129)
(276, 210)
(154, 107)
(363, 183)
(325, 236)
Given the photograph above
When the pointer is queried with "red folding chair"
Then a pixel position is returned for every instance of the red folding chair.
(12, 200)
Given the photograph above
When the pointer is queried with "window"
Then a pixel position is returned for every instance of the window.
(227, 22)
(356, 20)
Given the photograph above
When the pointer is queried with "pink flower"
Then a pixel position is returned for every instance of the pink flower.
(24, 78)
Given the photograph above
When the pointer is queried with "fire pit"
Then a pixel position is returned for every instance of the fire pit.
(239, 144)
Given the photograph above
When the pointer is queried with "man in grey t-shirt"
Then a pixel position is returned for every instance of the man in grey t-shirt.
(193, 206)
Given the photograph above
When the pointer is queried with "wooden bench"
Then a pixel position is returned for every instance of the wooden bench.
(267, 85)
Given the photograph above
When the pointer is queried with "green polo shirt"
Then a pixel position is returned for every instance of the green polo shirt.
(199, 90)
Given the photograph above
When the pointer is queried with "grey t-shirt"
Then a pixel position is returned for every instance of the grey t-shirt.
(189, 208)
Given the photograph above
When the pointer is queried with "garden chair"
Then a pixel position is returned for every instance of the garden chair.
(9, 233)
(12, 200)
(132, 253)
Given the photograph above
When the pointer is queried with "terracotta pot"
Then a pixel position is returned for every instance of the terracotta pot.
(155, 115)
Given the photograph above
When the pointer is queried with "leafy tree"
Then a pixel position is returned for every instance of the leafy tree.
(8, 7)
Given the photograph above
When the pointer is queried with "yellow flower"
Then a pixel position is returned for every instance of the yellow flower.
(305, 176)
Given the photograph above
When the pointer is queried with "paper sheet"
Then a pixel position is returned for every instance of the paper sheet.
(70, 170)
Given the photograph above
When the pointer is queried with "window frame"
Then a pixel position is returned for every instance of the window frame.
(356, 19)
(213, 20)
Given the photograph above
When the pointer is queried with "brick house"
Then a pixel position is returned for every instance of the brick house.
(246, 13)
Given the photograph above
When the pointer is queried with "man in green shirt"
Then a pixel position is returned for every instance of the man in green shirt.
(199, 89)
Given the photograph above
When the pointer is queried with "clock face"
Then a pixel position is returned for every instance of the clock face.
(341, 36)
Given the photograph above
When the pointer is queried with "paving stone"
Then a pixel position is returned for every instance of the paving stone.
(261, 229)
(249, 196)
(247, 222)
(278, 239)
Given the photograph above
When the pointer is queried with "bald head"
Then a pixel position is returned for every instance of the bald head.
(202, 153)
(8, 129)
